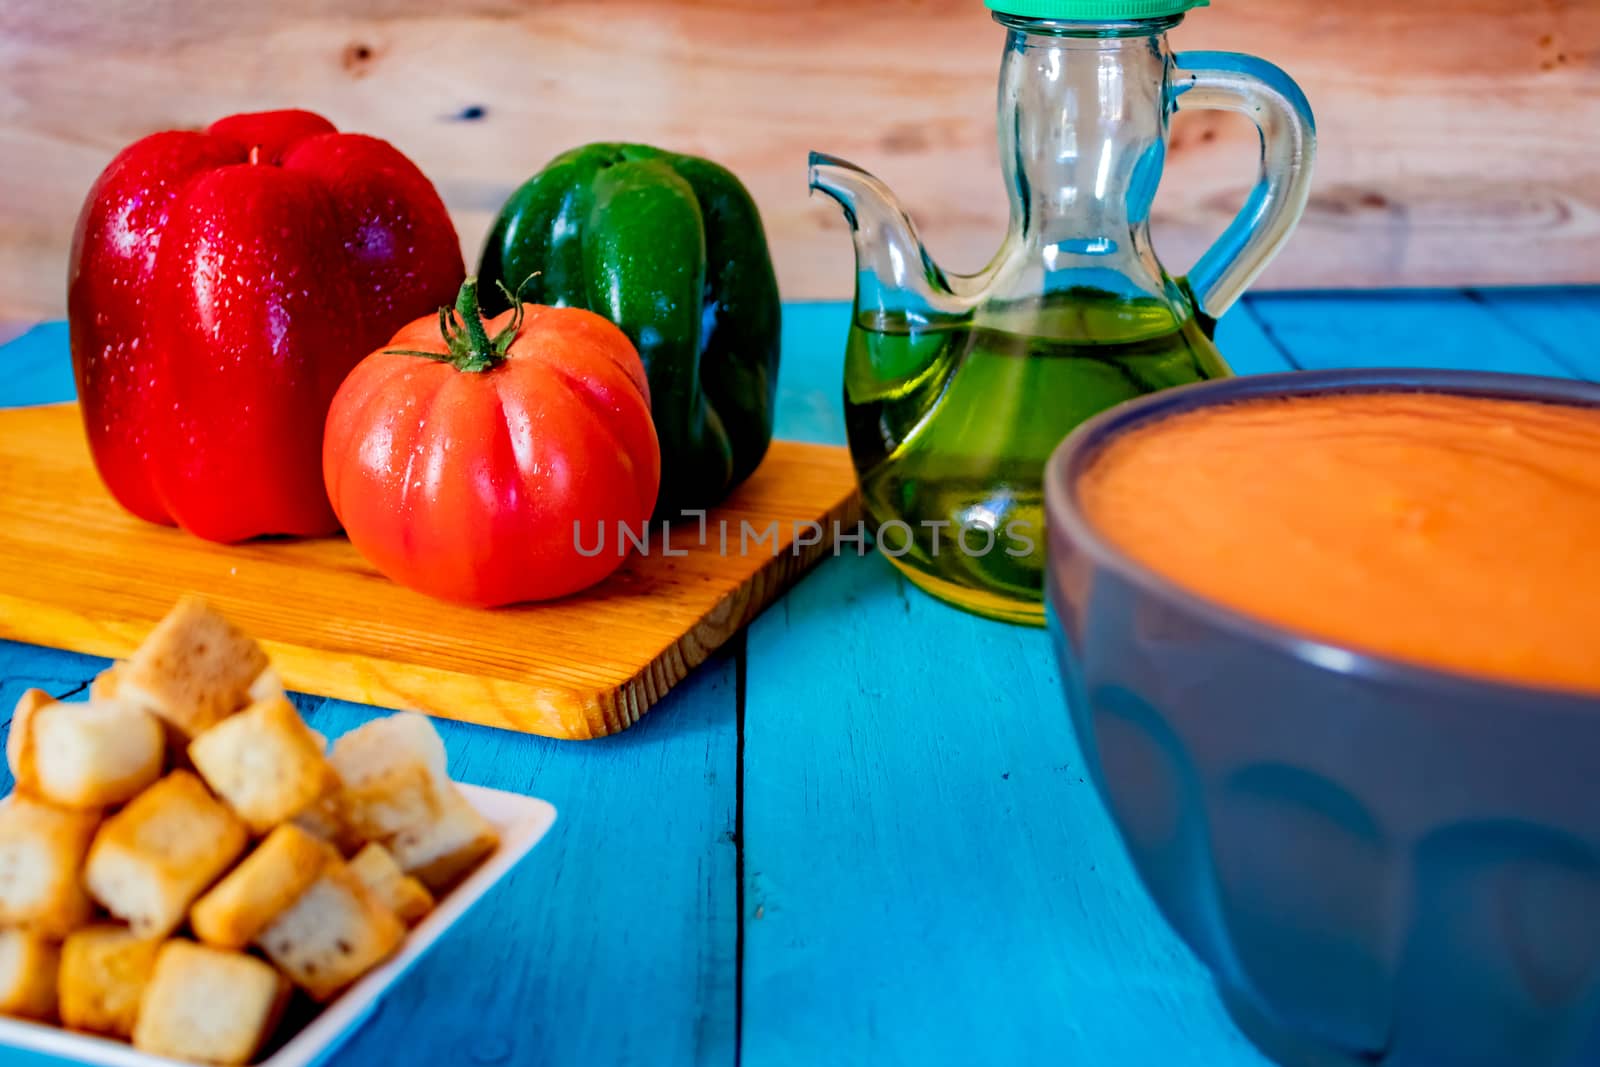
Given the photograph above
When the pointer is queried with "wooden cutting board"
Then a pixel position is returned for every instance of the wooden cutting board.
(77, 572)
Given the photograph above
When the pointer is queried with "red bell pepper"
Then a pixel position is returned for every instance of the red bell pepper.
(222, 285)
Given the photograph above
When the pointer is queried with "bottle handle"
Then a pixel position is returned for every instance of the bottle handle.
(1228, 81)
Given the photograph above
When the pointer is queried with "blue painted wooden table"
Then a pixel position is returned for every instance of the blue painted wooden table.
(862, 834)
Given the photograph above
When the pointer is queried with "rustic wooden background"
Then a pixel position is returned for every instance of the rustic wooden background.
(1460, 138)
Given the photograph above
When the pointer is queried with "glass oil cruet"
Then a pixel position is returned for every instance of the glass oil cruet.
(958, 387)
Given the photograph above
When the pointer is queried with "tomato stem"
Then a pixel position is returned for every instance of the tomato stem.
(478, 344)
(468, 347)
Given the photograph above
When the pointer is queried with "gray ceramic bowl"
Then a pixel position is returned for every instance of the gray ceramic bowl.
(1379, 863)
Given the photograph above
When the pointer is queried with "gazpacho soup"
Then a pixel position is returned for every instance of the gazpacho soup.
(1452, 531)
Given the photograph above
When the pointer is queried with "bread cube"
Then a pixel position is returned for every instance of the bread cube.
(89, 755)
(266, 686)
(442, 852)
(194, 670)
(407, 795)
(254, 893)
(104, 970)
(325, 819)
(19, 741)
(394, 774)
(204, 1004)
(154, 857)
(29, 964)
(41, 862)
(400, 893)
(336, 932)
(265, 762)
(28, 967)
(104, 686)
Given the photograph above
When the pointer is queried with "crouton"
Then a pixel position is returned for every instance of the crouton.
(208, 1005)
(400, 893)
(90, 755)
(336, 932)
(265, 762)
(107, 685)
(394, 775)
(194, 669)
(28, 967)
(404, 796)
(41, 863)
(325, 818)
(19, 742)
(104, 685)
(254, 893)
(439, 854)
(266, 686)
(154, 857)
(104, 970)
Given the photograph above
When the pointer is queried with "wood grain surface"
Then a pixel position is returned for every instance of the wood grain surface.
(929, 875)
(531, 974)
(1457, 136)
(860, 838)
(77, 572)
(989, 897)
(1476, 331)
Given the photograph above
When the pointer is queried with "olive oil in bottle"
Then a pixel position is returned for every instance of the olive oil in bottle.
(950, 425)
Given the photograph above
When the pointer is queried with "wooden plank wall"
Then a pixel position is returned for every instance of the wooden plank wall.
(1460, 138)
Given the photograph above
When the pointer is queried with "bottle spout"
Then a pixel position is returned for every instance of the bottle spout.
(852, 188)
(893, 269)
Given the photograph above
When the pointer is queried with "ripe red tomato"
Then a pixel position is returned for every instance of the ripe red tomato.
(466, 468)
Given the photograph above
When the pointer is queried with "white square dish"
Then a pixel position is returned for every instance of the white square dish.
(521, 820)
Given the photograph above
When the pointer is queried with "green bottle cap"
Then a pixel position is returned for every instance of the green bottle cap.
(1093, 10)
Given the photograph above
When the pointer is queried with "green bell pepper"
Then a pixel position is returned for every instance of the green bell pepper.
(671, 249)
